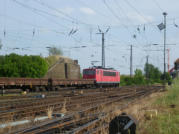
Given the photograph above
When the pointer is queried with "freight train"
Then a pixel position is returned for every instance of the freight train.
(92, 77)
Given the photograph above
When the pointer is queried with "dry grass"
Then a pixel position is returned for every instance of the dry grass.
(81, 92)
(63, 109)
(166, 111)
(138, 111)
(50, 112)
(8, 128)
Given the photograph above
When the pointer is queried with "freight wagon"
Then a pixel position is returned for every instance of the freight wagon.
(41, 84)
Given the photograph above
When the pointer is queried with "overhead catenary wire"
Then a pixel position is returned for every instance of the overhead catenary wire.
(129, 20)
(70, 18)
(136, 10)
(21, 37)
(73, 19)
(158, 5)
(40, 12)
(118, 18)
(65, 26)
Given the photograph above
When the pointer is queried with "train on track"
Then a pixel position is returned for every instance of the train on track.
(92, 77)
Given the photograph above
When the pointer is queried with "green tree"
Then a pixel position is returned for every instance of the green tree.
(138, 77)
(126, 80)
(14, 65)
(1, 44)
(153, 74)
(168, 77)
(55, 51)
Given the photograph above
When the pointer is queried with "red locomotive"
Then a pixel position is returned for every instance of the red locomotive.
(102, 76)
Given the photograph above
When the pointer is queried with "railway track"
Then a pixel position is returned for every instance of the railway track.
(36, 108)
(89, 113)
(102, 124)
(4, 100)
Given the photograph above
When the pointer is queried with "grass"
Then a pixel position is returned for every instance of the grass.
(167, 119)
(50, 112)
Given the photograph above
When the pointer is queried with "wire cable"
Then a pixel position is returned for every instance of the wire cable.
(128, 3)
(157, 4)
(118, 18)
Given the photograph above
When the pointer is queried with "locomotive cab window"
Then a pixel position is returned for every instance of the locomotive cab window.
(107, 73)
(89, 72)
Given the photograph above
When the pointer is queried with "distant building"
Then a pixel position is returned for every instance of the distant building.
(175, 71)
(63, 68)
(177, 65)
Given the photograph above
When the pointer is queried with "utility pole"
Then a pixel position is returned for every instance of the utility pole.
(103, 51)
(103, 46)
(131, 58)
(168, 50)
(164, 14)
(147, 66)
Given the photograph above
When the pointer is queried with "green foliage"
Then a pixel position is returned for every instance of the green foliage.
(14, 65)
(167, 119)
(172, 96)
(152, 73)
(167, 76)
(55, 51)
(153, 76)
(139, 78)
(126, 80)
(0, 44)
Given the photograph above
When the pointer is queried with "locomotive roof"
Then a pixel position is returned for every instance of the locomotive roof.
(99, 67)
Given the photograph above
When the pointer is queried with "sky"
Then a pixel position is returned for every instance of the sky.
(28, 27)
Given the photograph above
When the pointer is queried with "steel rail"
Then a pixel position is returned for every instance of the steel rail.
(85, 129)
(96, 99)
(112, 101)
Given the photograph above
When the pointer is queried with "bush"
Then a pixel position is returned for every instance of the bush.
(168, 77)
(14, 65)
(153, 74)
(139, 78)
(126, 81)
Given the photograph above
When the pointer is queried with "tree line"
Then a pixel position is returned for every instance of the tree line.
(151, 75)
(14, 65)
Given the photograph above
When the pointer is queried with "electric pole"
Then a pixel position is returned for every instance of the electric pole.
(147, 66)
(103, 51)
(168, 60)
(103, 46)
(164, 14)
(131, 58)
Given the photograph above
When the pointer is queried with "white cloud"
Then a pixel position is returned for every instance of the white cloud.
(68, 10)
(87, 10)
(140, 18)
